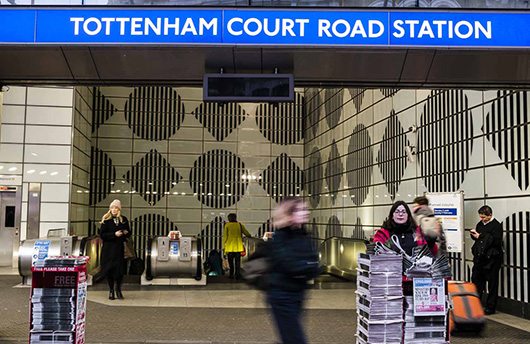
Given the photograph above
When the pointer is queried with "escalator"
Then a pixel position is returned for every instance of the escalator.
(337, 257)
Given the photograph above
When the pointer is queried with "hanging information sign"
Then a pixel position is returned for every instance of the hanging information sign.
(448, 207)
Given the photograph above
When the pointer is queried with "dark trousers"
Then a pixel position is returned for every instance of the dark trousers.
(489, 274)
(111, 279)
(234, 258)
(287, 312)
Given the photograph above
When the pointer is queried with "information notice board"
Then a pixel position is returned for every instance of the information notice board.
(448, 207)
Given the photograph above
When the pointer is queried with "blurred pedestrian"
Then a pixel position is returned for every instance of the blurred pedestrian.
(114, 231)
(430, 225)
(293, 264)
(401, 224)
(487, 256)
(233, 244)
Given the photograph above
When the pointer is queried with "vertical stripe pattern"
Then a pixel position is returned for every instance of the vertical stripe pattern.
(282, 123)
(359, 164)
(389, 92)
(147, 226)
(333, 106)
(392, 160)
(102, 176)
(152, 177)
(102, 109)
(220, 119)
(283, 178)
(314, 107)
(358, 232)
(334, 171)
(507, 128)
(333, 228)
(154, 113)
(357, 95)
(219, 178)
(314, 174)
(514, 279)
(265, 227)
(212, 237)
(445, 140)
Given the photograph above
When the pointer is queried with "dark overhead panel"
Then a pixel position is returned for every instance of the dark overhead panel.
(142, 65)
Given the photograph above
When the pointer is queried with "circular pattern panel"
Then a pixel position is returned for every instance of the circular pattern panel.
(359, 164)
(154, 113)
(282, 123)
(219, 178)
(315, 174)
(445, 140)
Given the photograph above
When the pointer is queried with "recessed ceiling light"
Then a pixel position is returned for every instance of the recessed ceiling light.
(11, 169)
(43, 172)
(54, 173)
(30, 171)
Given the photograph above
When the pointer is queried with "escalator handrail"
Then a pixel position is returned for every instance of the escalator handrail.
(364, 241)
(82, 246)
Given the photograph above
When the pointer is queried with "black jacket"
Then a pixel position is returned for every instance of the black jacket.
(487, 249)
(112, 253)
(294, 262)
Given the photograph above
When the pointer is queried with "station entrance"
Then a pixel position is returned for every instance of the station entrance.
(369, 125)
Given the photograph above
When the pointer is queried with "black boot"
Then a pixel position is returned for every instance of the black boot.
(111, 295)
(119, 294)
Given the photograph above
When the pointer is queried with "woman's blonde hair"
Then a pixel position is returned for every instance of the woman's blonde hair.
(283, 214)
(108, 215)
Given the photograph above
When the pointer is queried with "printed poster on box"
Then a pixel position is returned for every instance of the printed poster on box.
(429, 297)
(448, 207)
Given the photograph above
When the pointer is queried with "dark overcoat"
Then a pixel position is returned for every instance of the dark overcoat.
(112, 253)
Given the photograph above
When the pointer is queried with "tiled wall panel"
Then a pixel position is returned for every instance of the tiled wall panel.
(36, 144)
(466, 140)
(170, 157)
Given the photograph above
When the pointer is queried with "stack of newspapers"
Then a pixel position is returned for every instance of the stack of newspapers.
(60, 262)
(423, 329)
(53, 315)
(53, 310)
(379, 299)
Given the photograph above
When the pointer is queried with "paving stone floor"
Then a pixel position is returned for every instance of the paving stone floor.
(131, 324)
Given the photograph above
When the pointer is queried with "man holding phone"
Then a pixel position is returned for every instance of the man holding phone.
(487, 256)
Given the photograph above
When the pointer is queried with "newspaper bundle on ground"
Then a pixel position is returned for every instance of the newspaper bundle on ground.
(54, 310)
(423, 329)
(379, 298)
(426, 309)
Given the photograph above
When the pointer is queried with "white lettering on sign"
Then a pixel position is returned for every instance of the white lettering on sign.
(342, 28)
(255, 26)
(144, 26)
(441, 29)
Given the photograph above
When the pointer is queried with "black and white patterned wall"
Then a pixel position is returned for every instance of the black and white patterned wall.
(177, 162)
(465, 140)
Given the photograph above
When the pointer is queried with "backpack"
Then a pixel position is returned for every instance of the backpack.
(430, 226)
(257, 268)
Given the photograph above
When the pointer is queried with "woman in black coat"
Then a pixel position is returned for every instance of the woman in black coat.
(114, 230)
(294, 263)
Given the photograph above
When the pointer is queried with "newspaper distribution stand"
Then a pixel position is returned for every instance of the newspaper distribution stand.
(58, 301)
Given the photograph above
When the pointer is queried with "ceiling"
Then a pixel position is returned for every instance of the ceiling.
(142, 65)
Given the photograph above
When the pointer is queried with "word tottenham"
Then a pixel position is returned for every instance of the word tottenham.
(236, 26)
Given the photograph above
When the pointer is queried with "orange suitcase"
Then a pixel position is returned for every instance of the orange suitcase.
(467, 314)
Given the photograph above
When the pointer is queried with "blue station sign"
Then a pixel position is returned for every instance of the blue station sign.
(275, 27)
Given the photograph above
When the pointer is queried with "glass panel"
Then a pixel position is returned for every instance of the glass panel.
(10, 217)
